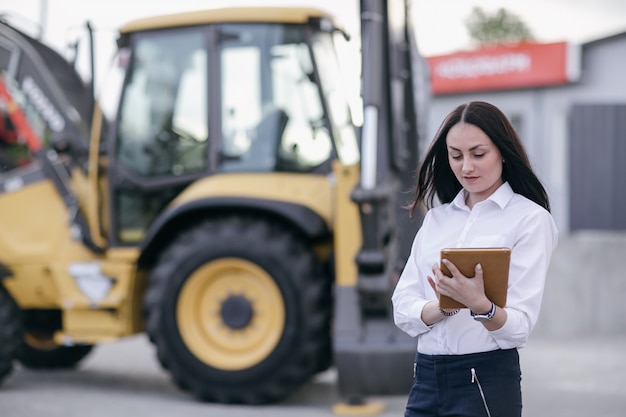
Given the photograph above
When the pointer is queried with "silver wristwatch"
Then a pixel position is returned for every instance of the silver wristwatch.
(485, 316)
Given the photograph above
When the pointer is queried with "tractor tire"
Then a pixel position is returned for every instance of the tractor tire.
(38, 351)
(11, 329)
(239, 311)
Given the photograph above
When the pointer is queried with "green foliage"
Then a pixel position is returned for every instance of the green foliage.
(502, 27)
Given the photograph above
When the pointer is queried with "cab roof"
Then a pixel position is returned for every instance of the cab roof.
(226, 15)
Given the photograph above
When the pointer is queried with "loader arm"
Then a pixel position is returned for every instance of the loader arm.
(373, 357)
(40, 91)
(50, 86)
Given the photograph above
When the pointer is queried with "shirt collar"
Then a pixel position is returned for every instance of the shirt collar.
(501, 196)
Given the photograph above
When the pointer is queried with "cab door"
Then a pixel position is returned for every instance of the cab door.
(160, 141)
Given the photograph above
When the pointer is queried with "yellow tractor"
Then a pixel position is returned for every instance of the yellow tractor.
(216, 196)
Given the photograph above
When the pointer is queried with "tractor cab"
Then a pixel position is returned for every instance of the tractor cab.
(228, 96)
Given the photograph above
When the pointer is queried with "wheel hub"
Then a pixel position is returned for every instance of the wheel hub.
(236, 312)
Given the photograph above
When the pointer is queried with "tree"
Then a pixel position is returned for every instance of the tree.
(502, 27)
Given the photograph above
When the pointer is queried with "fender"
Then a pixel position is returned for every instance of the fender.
(311, 224)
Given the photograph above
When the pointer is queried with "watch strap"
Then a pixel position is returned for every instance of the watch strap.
(485, 316)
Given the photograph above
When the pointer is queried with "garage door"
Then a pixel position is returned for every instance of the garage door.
(598, 167)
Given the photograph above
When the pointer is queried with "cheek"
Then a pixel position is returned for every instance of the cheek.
(496, 168)
(456, 167)
(497, 164)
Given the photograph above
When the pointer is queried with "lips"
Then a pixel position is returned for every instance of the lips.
(470, 179)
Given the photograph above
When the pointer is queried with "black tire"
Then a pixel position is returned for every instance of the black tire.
(38, 351)
(239, 311)
(11, 329)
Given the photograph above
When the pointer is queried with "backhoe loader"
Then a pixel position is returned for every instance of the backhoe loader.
(217, 197)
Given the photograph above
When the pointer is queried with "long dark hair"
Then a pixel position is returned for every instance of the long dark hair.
(435, 177)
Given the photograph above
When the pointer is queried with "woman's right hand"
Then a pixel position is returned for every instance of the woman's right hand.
(432, 280)
(431, 313)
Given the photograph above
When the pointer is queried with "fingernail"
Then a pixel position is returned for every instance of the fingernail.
(445, 261)
(479, 267)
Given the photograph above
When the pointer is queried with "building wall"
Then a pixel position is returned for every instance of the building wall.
(582, 295)
(543, 114)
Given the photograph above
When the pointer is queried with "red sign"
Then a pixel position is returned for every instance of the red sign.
(525, 65)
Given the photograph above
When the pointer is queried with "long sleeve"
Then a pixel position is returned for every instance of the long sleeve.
(530, 259)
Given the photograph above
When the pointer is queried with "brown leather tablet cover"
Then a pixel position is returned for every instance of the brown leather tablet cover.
(495, 263)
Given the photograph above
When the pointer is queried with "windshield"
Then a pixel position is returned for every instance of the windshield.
(272, 112)
(336, 97)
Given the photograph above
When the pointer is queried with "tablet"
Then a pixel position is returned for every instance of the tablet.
(495, 263)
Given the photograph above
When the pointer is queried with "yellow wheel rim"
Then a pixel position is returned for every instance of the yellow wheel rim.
(230, 341)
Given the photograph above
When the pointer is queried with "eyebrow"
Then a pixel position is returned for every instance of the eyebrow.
(471, 149)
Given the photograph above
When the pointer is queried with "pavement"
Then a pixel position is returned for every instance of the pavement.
(582, 376)
(573, 376)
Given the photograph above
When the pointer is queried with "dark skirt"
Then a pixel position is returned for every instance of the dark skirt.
(484, 384)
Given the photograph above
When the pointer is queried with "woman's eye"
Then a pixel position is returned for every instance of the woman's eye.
(455, 157)
(479, 155)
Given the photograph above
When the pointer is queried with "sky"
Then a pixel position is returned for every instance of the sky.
(439, 24)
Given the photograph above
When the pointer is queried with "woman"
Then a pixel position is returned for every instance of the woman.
(467, 362)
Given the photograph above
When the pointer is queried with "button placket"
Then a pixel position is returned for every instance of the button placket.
(468, 225)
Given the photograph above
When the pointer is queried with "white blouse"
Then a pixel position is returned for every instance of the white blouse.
(505, 219)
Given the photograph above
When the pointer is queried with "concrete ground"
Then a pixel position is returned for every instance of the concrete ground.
(562, 377)
(574, 376)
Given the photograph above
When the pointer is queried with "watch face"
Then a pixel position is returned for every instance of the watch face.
(482, 318)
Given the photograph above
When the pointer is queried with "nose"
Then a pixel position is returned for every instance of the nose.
(468, 166)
